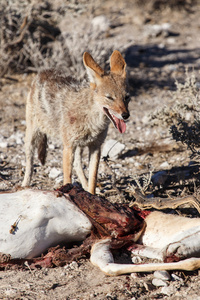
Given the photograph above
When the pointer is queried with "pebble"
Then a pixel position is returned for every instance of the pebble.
(100, 23)
(164, 165)
(59, 179)
(72, 266)
(134, 275)
(54, 173)
(157, 29)
(112, 149)
(167, 290)
(177, 278)
(163, 275)
(159, 282)
(18, 137)
(3, 144)
(136, 260)
(11, 292)
(159, 178)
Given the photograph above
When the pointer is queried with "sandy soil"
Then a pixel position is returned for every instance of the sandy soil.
(155, 57)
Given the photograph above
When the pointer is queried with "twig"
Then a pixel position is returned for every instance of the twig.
(162, 203)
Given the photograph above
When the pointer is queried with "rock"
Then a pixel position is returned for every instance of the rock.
(59, 179)
(136, 260)
(163, 275)
(164, 165)
(12, 292)
(167, 290)
(177, 278)
(72, 266)
(3, 144)
(134, 275)
(54, 173)
(159, 282)
(17, 137)
(100, 23)
(112, 149)
(159, 178)
(158, 29)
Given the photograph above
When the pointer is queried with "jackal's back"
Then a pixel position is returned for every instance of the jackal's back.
(62, 107)
(46, 101)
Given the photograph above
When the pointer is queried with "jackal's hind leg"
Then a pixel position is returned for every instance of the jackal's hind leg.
(93, 168)
(78, 167)
(30, 145)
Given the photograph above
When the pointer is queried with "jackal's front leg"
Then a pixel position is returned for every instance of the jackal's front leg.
(67, 163)
(93, 168)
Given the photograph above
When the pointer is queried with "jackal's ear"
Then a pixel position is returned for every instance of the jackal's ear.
(95, 72)
(118, 64)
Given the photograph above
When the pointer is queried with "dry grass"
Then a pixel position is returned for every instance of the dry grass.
(32, 39)
(182, 117)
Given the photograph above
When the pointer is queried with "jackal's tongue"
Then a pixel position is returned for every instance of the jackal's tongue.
(120, 124)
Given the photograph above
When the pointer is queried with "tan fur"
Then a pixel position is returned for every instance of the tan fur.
(58, 106)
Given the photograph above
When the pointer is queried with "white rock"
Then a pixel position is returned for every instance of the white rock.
(23, 122)
(177, 278)
(164, 275)
(17, 137)
(72, 266)
(145, 119)
(164, 165)
(136, 259)
(112, 149)
(3, 144)
(59, 179)
(167, 290)
(10, 292)
(100, 23)
(54, 173)
(159, 282)
(156, 29)
(51, 146)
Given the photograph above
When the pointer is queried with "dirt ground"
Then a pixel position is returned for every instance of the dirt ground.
(158, 46)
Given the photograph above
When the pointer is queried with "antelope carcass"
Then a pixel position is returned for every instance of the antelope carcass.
(31, 221)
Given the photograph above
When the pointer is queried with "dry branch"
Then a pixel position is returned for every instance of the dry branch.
(162, 203)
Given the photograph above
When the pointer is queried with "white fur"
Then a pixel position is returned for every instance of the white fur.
(46, 220)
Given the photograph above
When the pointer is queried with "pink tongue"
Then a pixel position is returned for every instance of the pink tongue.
(120, 124)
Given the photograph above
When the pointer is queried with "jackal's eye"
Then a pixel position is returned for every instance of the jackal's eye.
(109, 97)
(127, 98)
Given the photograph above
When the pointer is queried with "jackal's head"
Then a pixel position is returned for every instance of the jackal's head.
(110, 89)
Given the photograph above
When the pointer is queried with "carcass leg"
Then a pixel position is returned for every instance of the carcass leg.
(102, 257)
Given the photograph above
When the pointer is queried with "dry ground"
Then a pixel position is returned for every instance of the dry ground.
(155, 58)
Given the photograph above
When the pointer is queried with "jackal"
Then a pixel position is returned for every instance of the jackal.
(59, 106)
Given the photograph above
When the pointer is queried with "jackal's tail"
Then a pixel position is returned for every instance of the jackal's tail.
(42, 147)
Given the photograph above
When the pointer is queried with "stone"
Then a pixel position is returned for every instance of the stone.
(100, 23)
(163, 275)
(159, 282)
(112, 149)
(54, 173)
